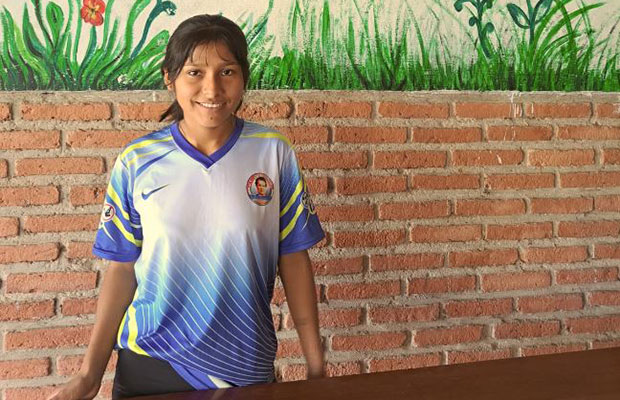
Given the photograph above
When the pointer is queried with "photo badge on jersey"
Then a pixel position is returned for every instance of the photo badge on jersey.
(259, 188)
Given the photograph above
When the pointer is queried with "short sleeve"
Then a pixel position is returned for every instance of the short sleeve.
(119, 237)
(299, 225)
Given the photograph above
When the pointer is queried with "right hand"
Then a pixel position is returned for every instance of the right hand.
(81, 387)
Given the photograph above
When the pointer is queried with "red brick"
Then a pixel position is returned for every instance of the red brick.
(605, 298)
(610, 323)
(9, 226)
(5, 112)
(445, 182)
(101, 139)
(552, 349)
(338, 266)
(377, 134)
(442, 285)
(29, 253)
(490, 207)
(59, 166)
(589, 132)
(48, 338)
(142, 111)
(611, 156)
(487, 157)
(26, 140)
(50, 282)
(518, 330)
(371, 184)
(23, 311)
(519, 133)
(486, 110)
(334, 110)
(478, 308)
(66, 112)
(450, 335)
(558, 302)
(369, 341)
(484, 257)
(607, 203)
(29, 393)
(265, 111)
(289, 348)
(333, 160)
(369, 239)
(455, 233)
(447, 135)
(79, 306)
(24, 369)
(417, 210)
(607, 251)
(608, 110)
(317, 185)
(357, 212)
(561, 158)
(293, 372)
(306, 134)
(4, 169)
(343, 369)
(460, 357)
(590, 275)
(543, 230)
(61, 223)
(400, 314)
(605, 344)
(414, 110)
(558, 110)
(572, 205)
(409, 159)
(29, 196)
(332, 318)
(408, 362)
(515, 281)
(406, 262)
(589, 229)
(70, 365)
(80, 250)
(590, 179)
(364, 290)
(85, 195)
(555, 255)
(520, 181)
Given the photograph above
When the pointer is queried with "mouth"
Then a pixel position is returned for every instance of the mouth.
(210, 106)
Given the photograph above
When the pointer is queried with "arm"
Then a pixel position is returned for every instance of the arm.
(298, 282)
(117, 291)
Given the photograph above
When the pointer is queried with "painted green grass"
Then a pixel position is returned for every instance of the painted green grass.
(558, 51)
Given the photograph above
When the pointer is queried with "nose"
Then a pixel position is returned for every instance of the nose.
(211, 84)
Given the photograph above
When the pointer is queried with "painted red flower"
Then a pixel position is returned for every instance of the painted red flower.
(92, 11)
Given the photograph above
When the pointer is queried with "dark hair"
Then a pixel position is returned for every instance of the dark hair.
(260, 178)
(196, 31)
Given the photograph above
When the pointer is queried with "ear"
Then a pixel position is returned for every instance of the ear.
(169, 85)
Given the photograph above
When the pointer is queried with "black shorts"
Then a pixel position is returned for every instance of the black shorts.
(138, 375)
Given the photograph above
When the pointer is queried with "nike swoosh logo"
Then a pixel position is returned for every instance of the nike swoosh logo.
(147, 195)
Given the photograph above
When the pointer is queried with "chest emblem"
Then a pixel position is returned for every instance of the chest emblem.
(259, 188)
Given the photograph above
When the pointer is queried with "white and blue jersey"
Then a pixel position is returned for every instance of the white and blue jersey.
(205, 233)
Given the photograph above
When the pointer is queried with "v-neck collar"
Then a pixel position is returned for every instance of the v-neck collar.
(202, 158)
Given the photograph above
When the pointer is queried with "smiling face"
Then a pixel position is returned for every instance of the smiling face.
(209, 89)
(261, 187)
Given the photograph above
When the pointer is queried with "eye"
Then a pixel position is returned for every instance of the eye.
(193, 72)
(228, 72)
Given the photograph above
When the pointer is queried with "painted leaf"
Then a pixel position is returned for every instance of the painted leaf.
(55, 19)
(518, 16)
(541, 9)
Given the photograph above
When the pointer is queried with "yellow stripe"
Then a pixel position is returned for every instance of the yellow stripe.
(116, 198)
(133, 330)
(292, 199)
(219, 383)
(133, 160)
(291, 224)
(128, 236)
(143, 144)
(269, 135)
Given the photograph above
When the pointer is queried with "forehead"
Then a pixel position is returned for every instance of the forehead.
(211, 53)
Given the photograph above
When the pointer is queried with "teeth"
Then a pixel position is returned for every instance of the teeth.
(211, 105)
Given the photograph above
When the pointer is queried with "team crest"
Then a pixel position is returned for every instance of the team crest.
(307, 203)
(260, 189)
(108, 212)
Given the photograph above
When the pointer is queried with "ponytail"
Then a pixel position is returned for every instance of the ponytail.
(174, 112)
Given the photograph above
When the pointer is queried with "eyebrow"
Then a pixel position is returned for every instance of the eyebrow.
(191, 64)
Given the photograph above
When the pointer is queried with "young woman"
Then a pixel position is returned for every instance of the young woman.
(198, 220)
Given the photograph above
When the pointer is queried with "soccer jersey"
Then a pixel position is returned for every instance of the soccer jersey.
(205, 233)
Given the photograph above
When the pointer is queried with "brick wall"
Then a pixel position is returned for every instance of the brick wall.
(460, 226)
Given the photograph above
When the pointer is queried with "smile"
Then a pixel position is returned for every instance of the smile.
(211, 105)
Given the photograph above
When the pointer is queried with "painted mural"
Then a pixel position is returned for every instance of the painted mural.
(405, 45)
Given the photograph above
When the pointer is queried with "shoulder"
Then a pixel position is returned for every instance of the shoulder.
(264, 135)
(150, 144)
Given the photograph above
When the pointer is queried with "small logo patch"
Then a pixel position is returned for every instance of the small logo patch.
(259, 188)
(146, 195)
(108, 212)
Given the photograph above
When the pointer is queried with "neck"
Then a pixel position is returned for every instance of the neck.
(206, 140)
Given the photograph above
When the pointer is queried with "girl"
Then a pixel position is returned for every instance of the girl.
(199, 217)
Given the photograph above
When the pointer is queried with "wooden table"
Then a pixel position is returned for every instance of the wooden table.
(587, 375)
